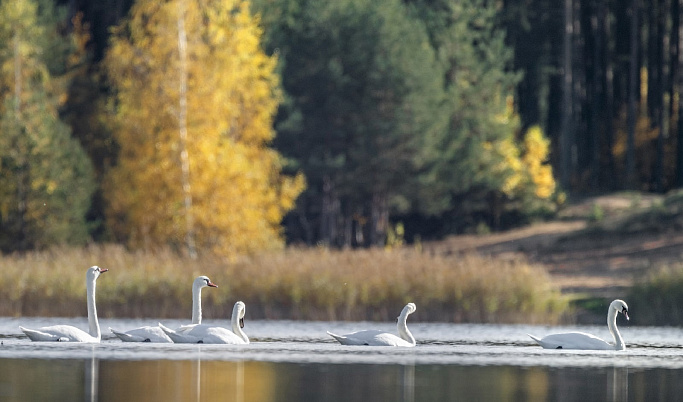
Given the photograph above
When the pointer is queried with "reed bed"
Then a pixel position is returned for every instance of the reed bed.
(311, 283)
(660, 293)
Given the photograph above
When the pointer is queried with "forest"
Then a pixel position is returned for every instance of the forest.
(232, 127)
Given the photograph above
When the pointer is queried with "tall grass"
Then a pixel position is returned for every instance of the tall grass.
(316, 284)
(661, 295)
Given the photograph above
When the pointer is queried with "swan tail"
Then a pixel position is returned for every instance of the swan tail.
(125, 337)
(39, 336)
(166, 329)
(176, 337)
(339, 338)
(538, 340)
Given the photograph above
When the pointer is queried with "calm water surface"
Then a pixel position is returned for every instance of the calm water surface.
(297, 361)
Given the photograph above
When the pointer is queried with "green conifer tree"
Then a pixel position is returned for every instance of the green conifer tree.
(365, 103)
(46, 179)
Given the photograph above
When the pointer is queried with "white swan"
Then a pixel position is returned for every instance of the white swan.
(211, 334)
(155, 334)
(380, 338)
(68, 333)
(581, 340)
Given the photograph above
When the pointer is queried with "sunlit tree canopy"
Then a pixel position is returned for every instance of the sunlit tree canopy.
(238, 192)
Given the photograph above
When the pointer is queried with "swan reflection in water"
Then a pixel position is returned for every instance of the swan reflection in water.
(617, 384)
(92, 369)
(408, 389)
(239, 378)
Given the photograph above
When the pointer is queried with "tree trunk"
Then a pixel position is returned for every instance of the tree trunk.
(379, 219)
(182, 124)
(608, 110)
(679, 89)
(597, 114)
(663, 95)
(23, 182)
(329, 213)
(565, 130)
(633, 76)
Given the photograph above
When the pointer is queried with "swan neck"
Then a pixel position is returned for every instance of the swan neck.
(612, 325)
(403, 331)
(93, 323)
(196, 305)
(237, 329)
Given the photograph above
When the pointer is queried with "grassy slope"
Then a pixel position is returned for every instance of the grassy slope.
(599, 249)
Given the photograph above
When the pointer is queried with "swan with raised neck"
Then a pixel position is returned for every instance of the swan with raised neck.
(155, 334)
(68, 333)
(199, 283)
(584, 341)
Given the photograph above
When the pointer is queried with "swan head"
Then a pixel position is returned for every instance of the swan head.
(410, 308)
(94, 272)
(239, 311)
(203, 281)
(620, 307)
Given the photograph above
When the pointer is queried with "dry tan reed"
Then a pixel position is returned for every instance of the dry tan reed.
(317, 284)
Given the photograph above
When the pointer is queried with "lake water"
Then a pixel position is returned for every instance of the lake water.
(298, 361)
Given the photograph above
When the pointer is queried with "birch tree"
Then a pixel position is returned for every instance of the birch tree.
(195, 99)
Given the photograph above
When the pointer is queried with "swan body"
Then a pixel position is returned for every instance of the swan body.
(143, 334)
(157, 335)
(211, 334)
(381, 338)
(584, 341)
(68, 333)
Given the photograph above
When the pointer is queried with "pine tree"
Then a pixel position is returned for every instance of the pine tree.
(195, 98)
(477, 169)
(46, 179)
(365, 99)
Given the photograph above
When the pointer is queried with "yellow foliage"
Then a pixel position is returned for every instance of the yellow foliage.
(536, 148)
(524, 165)
(511, 159)
(239, 194)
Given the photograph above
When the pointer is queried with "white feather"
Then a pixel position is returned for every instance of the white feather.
(381, 338)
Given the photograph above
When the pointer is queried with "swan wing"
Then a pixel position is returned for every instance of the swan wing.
(339, 338)
(370, 338)
(39, 336)
(220, 335)
(184, 329)
(211, 334)
(573, 340)
(58, 333)
(344, 340)
(178, 337)
(387, 339)
(143, 334)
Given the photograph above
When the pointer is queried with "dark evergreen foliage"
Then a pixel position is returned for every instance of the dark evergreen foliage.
(46, 178)
(388, 103)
